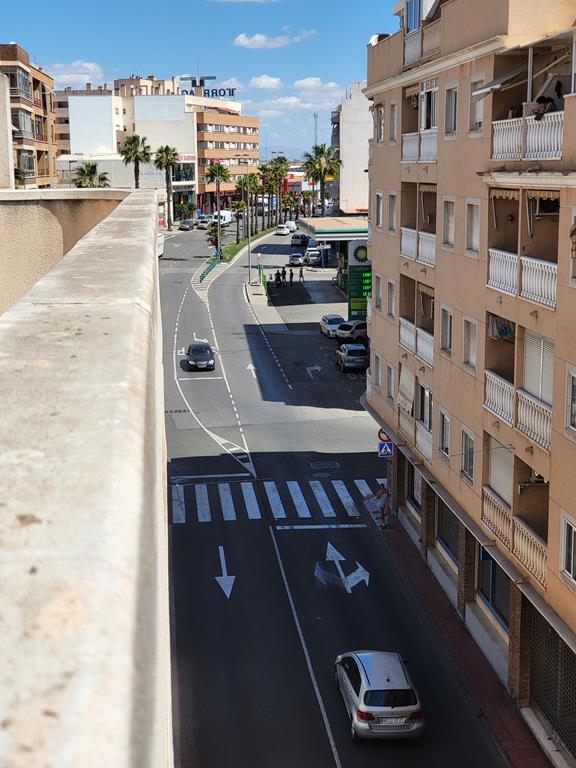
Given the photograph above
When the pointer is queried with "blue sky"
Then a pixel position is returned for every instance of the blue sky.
(289, 57)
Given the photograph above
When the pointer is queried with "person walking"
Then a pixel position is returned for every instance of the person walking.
(301, 278)
(283, 275)
(291, 277)
(383, 497)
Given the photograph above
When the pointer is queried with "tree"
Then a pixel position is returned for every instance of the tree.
(166, 160)
(268, 188)
(136, 150)
(216, 174)
(212, 234)
(280, 171)
(252, 185)
(307, 200)
(86, 176)
(238, 206)
(323, 161)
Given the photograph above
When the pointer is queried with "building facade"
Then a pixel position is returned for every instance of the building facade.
(33, 119)
(473, 368)
(351, 130)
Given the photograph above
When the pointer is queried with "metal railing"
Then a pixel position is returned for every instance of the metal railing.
(427, 248)
(525, 138)
(409, 242)
(429, 145)
(507, 139)
(496, 515)
(410, 147)
(503, 271)
(425, 346)
(424, 440)
(407, 335)
(530, 549)
(539, 281)
(534, 418)
(499, 396)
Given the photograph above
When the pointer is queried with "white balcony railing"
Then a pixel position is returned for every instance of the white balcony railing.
(431, 39)
(408, 242)
(424, 440)
(410, 147)
(534, 419)
(530, 549)
(412, 47)
(539, 280)
(503, 271)
(544, 138)
(425, 346)
(427, 247)
(499, 396)
(496, 515)
(429, 145)
(507, 139)
(407, 335)
(406, 425)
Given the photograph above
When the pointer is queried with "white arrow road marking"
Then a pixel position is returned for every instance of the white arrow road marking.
(349, 582)
(226, 582)
(181, 351)
(325, 577)
(252, 370)
(310, 371)
(360, 574)
(196, 338)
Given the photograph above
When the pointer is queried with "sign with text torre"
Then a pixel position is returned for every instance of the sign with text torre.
(359, 279)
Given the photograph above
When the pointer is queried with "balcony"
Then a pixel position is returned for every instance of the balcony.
(425, 346)
(427, 248)
(530, 549)
(407, 335)
(420, 147)
(496, 515)
(539, 278)
(431, 39)
(409, 243)
(412, 47)
(534, 419)
(410, 147)
(424, 440)
(525, 138)
(503, 271)
(499, 396)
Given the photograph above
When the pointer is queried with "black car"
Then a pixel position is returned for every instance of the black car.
(200, 357)
(186, 225)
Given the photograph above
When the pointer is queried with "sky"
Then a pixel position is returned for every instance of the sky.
(287, 58)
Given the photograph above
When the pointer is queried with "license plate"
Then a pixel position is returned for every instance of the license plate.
(391, 720)
(201, 365)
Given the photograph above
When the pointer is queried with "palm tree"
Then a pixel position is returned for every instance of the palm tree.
(136, 150)
(241, 191)
(267, 177)
(323, 161)
(166, 160)
(280, 165)
(86, 176)
(252, 184)
(307, 199)
(238, 206)
(216, 173)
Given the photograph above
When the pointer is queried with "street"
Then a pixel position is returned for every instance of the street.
(276, 567)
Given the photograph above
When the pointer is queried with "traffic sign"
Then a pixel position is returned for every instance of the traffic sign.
(382, 436)
(386, 450)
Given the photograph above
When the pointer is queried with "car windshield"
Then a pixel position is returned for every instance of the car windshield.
(346, 327)
(335, 320)
(356, 353)
(401, 697)
(200, 351)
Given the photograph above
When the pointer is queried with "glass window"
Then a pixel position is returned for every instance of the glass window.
(413, 486)
(380, 124)
(377, 370)
(469, 344)
(448, 223)
(448, 526)
(569, 550)
(353, 674)
(467, 455)
(476, 107)
(392, 127)
(494, 586)
(424, 405)
(473, 227)
(391, 299)
(444, 435)
(428, 116)
(572, 400)
(392, 212)
(446, 330)
(451, 117)
(402, 697)
(412, 15)
(378, 292)
(389, 382)
(378, 209)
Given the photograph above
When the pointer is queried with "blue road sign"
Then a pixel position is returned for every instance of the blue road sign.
(217, 253)
(386, 450)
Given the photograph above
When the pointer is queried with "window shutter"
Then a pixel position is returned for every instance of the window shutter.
(532, 363)
(406, 388)
(547, 371)
(501, 470)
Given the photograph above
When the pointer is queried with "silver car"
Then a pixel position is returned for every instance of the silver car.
(380, 698)
(352, 357)
(296, 260)
(329, 324)
(353, 330)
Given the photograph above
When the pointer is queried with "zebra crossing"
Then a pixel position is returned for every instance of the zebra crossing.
(271, 500)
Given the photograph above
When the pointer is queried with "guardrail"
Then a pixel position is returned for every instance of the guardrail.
(212, 262)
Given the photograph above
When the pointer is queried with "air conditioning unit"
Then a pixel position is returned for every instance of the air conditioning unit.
(546, 207)
(477, 126)
(536, 479)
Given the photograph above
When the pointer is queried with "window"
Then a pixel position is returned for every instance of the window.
(476, 107)
(391, 298)
(448, 223)
(501, 470)
(392, 212)
(389, 382)
(412, 15)
(538, 367)
(473, 227)
(446, 331)
(378, 209)
(569, 549)
(451, 116)
(378, 292)
(469, 343)
(377, 381)
(494, 586)
(428, 98)
(467, 465)
(447, 528)
(424, 406)
(380, 124)
(392, 126)
(571, 401)
(444, 435)
(413, 486)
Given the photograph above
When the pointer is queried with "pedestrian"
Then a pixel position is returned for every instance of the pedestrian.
(291, 277)
(301, 278)
(383, 498)
(278, 279)
(283, 275)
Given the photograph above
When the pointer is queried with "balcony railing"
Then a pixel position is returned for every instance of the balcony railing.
(23, 135)
(503, 271)
(499, 396)
(408, 242)
(539, 280)
(425, 346)
(496, 515)
(525, 138)
(410, 147)
(431, 39)
(412, 47)
(534, 419)
(407, 335)
(530, 549)
(427, 247)
(18, 93)
(406, 425)
(429, 145)
(424, 440)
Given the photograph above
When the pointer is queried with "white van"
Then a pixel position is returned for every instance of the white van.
(226, 217)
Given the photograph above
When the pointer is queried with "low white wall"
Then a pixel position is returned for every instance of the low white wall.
(84, 624)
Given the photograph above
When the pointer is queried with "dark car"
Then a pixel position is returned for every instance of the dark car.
(200, 357)
(299, 240)
(186, 225)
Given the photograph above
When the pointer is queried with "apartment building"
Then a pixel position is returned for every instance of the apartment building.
(33, 118)
(472, 317)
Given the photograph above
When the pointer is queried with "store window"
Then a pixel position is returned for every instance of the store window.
(447, 527)
(413, 486)
(494, 586)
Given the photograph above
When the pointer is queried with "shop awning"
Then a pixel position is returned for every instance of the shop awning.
(426, 290)
(406, 390)
(427, 187)
(505, 194)
(496, 85)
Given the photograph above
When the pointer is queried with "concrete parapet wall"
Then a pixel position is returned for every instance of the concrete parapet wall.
(84, 662)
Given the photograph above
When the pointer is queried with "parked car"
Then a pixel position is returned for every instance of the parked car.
(353, 330)
(381, 700)
(313, 257)
(203, 221)
(329, 324)
(282, 229)
(200, 356)
(299, 241)
(186, 225)
(296, 259)
(292, 225)
(352, 356)
(226, 217)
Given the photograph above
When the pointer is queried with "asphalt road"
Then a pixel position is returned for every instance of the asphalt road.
(268, 465)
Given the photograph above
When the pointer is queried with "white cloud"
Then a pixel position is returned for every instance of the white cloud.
(76, 74)
(259, 40)
(312, 95)
(233, 82)
(315, 84)
(269, 113)
(266, 83)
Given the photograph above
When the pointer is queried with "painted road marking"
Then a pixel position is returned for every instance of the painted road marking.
(202, 505)
(364, 488)
(178, 505)
(298, 499)
(319, 526)
(274, 499)
(228, 511)
(252, 508)
(322, 499)
(345, 498)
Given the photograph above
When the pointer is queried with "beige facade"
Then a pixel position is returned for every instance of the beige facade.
(473, 371)
(33, 119)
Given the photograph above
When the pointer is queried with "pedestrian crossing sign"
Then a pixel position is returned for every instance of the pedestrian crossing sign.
(386, 450)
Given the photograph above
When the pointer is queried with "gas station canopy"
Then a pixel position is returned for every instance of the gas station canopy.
(335, 228)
